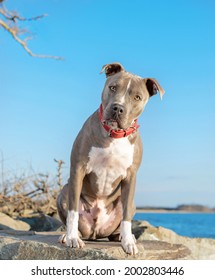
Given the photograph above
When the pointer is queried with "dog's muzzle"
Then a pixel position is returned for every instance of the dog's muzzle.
(117, 133)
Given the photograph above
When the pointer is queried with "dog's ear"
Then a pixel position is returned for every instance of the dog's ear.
(153, 87)
(111, 69)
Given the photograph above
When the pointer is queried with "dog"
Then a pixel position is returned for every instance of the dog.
(98, 200)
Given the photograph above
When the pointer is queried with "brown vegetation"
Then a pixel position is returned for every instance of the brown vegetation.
(29, 194)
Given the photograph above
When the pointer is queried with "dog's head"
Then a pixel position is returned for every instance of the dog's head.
(125, 95)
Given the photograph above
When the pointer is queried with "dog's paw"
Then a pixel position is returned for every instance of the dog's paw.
(128, 244)
(75, 242)
(71, 242)
(62, 239)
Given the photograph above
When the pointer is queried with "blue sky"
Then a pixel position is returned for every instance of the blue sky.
(45, 102)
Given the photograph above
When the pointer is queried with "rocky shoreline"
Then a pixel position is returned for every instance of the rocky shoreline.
(36, 237)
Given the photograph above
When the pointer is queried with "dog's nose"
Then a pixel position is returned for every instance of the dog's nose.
(117, 109)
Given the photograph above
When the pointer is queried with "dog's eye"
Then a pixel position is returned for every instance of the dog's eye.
(137, 97)
(112, 88)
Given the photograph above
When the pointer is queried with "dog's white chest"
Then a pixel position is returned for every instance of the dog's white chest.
(110, 163)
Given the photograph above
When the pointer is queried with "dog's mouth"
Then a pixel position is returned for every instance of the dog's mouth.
(114, 121)
(114, 124)
(115, 127)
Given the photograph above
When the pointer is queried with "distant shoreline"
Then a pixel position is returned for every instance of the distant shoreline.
(179, 209)
(140, 210)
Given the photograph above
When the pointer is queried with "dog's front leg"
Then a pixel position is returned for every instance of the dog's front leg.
(75, 186)
(127, 238)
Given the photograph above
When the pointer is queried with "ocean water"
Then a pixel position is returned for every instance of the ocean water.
(186, 224)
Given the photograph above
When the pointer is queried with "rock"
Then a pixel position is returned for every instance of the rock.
(201, 248)
(2, 227)
(21, 249)
(7, 222)
(44, 246)
(154, 243)
(42, 222)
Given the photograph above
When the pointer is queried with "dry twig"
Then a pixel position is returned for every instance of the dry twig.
(60, 164)
(9, 21)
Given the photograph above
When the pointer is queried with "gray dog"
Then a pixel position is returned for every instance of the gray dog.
(98, 200)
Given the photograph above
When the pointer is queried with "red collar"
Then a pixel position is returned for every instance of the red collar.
(117, 133)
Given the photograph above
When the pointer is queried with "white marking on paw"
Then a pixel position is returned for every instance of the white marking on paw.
(75, 242)
(110, 163)
(127, 238)
(72, 238)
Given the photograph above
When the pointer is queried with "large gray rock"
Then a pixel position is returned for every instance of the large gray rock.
(17, 245)
(201, 248)
(7, 222)
(41, 222)
(154, 243)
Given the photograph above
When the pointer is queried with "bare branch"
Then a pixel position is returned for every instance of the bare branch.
(14, 16)
(60, 164)
(23, 43)
(14, 30)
